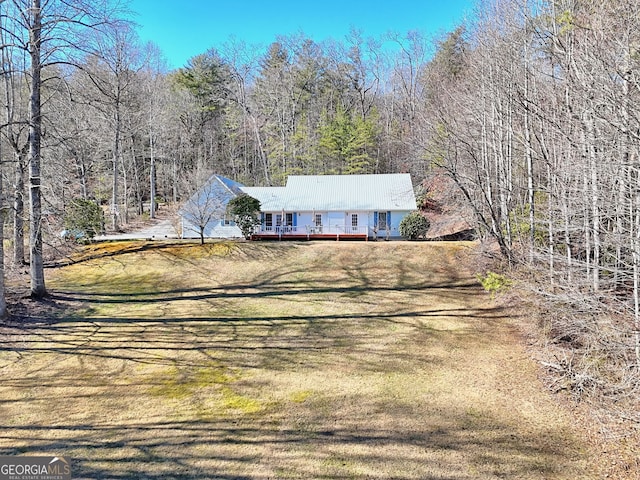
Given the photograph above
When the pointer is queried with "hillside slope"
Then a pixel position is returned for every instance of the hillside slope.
(255, 361)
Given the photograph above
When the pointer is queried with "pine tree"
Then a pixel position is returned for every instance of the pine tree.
(347, 142)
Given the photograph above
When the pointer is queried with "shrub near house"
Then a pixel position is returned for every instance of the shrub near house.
(414, 226)
(245, 211)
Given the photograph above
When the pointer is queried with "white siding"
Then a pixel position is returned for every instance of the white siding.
(214, 229)
(305, 221)
(394, 224)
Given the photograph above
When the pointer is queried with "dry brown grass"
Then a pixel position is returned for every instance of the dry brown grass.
(260, 361)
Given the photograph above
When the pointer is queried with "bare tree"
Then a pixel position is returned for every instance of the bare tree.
(157, 115)
(207, 206)
(15, 131)
(113, 72)
(540, 132)
(50, 33)
(38, 288)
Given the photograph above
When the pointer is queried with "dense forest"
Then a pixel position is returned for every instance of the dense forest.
(530, 108)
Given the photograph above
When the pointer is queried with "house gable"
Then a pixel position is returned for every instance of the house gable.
(204, 212)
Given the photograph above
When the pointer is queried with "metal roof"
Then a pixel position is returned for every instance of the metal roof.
(234, 187)
(271, 198)
(338, 193)
(217, 190)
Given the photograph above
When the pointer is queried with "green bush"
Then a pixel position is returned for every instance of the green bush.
(494, 283)
(245, 209)
(414, 225)
(83, 220)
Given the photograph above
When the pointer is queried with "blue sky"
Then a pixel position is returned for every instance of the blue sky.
(190, 27)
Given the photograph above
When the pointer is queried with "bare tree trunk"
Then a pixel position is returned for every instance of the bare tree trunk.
(152, 178)
(18, 213)
(550, 195)
(38, 289)
(20, 152)
(137, 186)
(527, 138)
(595, 206)
(635, 241)
(263, 155)
(174, 173)
(125, 192)
(567, 235)
(116, 161)
(3, 300)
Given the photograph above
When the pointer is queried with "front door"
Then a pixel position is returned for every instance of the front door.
(336, 222)
(382, 221)
(353, 222)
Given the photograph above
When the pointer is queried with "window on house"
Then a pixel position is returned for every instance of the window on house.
(354, 221)
(382, 221)
(318, 220)
(289, 219)
(268, 221)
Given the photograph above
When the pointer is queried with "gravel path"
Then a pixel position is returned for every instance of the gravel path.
(161, 230)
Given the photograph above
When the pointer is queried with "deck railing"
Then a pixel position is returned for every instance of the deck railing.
(311, 230)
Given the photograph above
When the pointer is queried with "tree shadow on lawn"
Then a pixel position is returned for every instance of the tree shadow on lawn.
(314, 438)
(290, 439)
(254, 290)
(179, 249)
(449, 447)
(255, 337)
(314, 338)
(135, 396)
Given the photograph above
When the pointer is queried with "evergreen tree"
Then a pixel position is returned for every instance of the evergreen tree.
(206, 77)
(84, 219)
(245, 209)
(347, 142)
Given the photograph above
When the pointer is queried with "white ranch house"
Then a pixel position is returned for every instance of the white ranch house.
(327, 206)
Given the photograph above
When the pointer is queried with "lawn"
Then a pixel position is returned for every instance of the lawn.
(276, 361)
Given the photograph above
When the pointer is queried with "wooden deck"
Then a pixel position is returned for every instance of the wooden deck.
(309, 236)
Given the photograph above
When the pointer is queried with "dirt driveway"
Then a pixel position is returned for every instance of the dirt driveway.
(162, 229)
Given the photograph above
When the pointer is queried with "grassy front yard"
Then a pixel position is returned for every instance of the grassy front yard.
(273, 361)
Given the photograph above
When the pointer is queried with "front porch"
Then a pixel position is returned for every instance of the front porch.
(311, 232)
